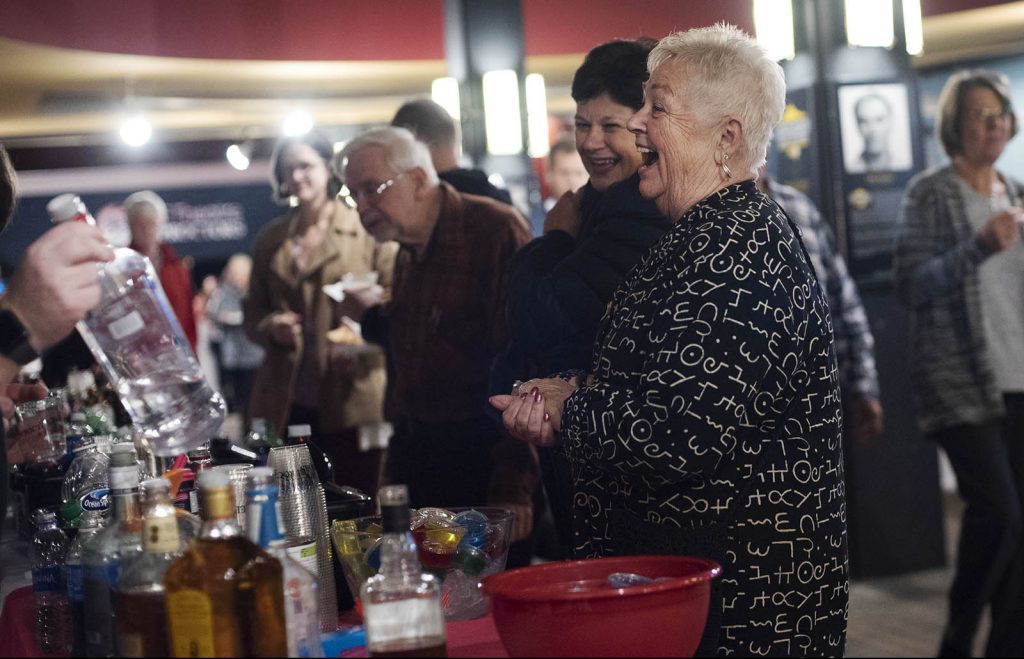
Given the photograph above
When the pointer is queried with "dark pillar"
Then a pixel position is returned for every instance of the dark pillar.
(893, 496)
(482, 37)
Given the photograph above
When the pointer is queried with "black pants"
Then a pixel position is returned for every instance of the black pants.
(989, 464)
(443, 464)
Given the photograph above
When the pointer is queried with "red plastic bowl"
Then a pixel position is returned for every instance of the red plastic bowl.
(568, 609)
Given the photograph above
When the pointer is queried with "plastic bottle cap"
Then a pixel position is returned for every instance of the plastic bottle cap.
(302, 430)
(64, 207)
(212, 478)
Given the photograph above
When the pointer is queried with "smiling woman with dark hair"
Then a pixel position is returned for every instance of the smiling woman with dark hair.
(709, 420)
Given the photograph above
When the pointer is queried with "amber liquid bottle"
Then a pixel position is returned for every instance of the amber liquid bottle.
(211, 611)
(141, 615)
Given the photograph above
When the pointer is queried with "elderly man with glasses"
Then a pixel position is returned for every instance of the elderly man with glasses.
(445, 321)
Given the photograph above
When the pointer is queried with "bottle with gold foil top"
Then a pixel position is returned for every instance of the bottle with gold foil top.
(211, 611)
(141, 614)
(401, 604)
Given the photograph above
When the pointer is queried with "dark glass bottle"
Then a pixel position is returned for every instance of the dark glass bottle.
(302, 434)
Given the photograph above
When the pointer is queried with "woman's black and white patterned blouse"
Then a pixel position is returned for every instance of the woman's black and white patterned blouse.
(714, 426)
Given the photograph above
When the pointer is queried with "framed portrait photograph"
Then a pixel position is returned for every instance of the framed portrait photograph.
(875, 124)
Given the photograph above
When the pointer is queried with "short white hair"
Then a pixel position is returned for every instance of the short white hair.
(146, 201)
(731, 75)
(404, 151)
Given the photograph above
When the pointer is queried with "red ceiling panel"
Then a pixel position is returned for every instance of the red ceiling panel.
(234, 29)
(554, 27)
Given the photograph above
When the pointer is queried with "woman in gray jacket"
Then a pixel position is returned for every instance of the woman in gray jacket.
(960, 269)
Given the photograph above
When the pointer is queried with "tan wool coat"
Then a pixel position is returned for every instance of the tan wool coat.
(346, 399)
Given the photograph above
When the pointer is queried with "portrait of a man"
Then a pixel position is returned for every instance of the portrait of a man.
(876, 128)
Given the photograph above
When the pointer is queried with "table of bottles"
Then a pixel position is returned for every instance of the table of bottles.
(468, 638)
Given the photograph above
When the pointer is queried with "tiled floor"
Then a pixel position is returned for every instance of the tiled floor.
(904, 616)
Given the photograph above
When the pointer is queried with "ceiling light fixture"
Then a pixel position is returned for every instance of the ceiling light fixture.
(298, 122)
(136, 130)
(773, 23)
(240, 155)
(537, 115)
(502, 120)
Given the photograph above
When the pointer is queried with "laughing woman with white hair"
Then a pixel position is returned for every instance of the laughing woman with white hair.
(709, 423)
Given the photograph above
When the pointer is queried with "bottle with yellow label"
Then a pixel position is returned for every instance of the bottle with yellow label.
(210, 612)
(141, 614)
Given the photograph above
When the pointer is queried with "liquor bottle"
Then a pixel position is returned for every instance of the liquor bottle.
(401, 604)
(302, 434)
(53, 616)
(141, 614)
(108, 550)
(90, 523)
(137, 340)
(200, 459)
(257, 440)
(302, 615)
(209, 611)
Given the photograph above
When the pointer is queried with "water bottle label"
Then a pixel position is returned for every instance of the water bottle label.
(126, 326)
(76, 583)
(49, 579)
(96, 500)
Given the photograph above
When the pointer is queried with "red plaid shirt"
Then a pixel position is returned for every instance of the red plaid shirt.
(445, 322)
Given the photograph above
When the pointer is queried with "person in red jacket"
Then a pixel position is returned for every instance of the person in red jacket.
(147, 216)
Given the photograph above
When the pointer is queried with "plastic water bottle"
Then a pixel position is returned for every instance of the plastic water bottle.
(53, 615)
(136, 338)
(87, 480)
(91, 523)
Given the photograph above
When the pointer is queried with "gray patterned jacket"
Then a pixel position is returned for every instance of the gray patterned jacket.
(936, 272)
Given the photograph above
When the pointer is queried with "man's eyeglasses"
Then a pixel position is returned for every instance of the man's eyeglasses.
(982, 115)
(369, 191)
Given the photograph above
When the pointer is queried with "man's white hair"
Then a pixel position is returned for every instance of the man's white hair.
(404, 151)
(728, 74)
(148, 202)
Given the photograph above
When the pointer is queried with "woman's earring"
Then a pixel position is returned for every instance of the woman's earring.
(725, 166)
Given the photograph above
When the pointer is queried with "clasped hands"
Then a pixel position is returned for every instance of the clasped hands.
(533, 412)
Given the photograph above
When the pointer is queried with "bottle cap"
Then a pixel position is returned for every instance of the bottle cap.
(213, 479)
(153, 487)
(301, 430)
(260, 477)
(67, 207)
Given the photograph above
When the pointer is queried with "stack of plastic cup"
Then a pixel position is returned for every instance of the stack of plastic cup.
(303, 508)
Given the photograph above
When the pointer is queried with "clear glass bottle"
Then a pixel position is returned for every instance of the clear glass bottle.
(257, 440)
(53, 615)
(401, 604)
(137, 340)
(90, 523)
(141, 615)
(211, 612)
(302, 610)
(108, 550)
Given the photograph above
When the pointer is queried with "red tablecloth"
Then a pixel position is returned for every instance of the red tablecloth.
(470, 638)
